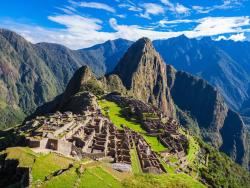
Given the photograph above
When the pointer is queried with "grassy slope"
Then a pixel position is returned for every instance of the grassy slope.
(47, 164)
(94, 175)
(116, 117)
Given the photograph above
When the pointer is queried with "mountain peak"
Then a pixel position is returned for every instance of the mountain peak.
(81, 76)
(143, 73)
(141, 52)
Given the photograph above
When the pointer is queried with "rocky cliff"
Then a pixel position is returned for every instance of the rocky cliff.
(143, 73)
(218, 124)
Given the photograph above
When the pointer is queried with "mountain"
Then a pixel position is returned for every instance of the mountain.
(32, 74)
(143, 75)
(224, 64)
(218, 124)
(25, 81)
(116, 101)
(49, 67)
(108, 53)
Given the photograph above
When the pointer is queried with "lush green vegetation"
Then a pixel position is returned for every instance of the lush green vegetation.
(161, 181)
(10, 116)
(116, 116)
(46, 164)
(221, 171)
(136, 167)
(66, 179)
(93, 87)
(25, 156)
(97, 177)
(193, 147)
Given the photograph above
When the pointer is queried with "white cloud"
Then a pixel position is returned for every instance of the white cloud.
(77, 23)
(219, 25)
(180, 9)
(176, 8)
(131, 7)
(121, 15)
(80, 32)
(67, 9)
(227, 4)
(164, 22)
(151, 9)
(97, 5)
(236, 37)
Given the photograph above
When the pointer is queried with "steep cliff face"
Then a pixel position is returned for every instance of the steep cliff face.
(218, 124)
(143, 73)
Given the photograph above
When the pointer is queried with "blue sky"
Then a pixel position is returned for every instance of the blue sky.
(78, 23)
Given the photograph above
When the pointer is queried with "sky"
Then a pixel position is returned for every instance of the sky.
(84, 23)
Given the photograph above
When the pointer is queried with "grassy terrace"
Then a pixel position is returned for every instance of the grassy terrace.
(24, 155)
(193, 147)
(136, 167)
(47, 164)
(116, 117)
(94, 174)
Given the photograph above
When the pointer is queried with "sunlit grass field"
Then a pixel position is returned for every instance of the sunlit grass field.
(116, 117)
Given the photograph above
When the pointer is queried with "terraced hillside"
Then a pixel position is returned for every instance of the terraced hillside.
(202, 165)
(50, 170)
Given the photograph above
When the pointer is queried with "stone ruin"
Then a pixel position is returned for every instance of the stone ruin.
(93, 135)
(148, 159)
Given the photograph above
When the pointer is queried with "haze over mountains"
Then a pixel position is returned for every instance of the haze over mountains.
(32, 74)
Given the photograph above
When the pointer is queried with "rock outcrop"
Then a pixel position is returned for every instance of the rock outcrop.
(143, 73)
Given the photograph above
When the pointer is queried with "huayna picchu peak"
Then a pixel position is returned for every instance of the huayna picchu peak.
(144, 124)
(143, 73)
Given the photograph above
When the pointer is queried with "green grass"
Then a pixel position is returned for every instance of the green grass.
(168, 168)
(97, 177)
(24, 155)
(66, 179)
(94, 175)
(47, 164)
(154, 143)
(162, 181)
(136, 167)
(116, 117)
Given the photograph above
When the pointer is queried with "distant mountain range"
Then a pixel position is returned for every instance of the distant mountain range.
(32, 74)
(142, 74)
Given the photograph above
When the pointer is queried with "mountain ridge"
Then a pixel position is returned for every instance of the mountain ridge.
(189, 93)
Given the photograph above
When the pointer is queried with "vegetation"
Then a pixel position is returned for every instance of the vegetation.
(66, 179)
(93, 87)
(117, 117)
(46, 164)
(221, 171)
(97, 177)
(136, 167)
(25, 156)
(10, 116)
(161, 181)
